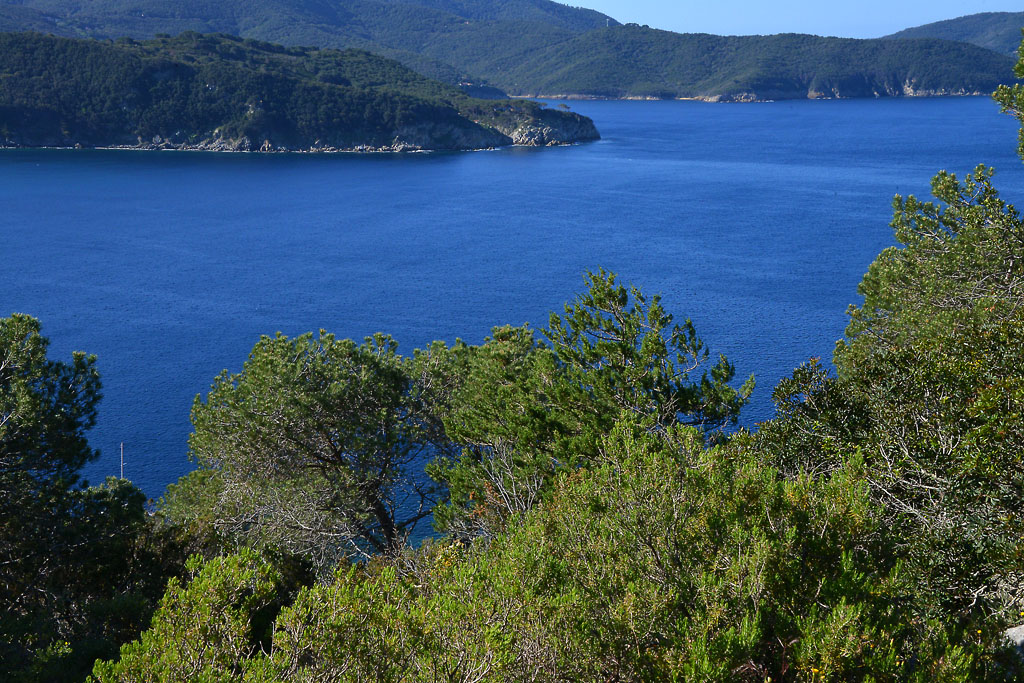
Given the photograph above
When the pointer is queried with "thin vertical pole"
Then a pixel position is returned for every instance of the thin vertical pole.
(122, 459)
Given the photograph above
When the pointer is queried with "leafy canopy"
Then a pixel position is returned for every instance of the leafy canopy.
(80, 568)
(626, 355)
(313, 447)
(523, 410)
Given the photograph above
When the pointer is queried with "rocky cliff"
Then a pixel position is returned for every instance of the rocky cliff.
(550, 127)
(557, 128)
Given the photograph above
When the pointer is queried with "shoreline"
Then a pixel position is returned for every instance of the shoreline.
(738, 98)
(276, 150)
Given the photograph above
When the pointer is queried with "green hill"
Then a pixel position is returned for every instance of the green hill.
(575, 19)
(420, 33)
(998, 31)
(635, 61)
(539, 47)
(224, 93)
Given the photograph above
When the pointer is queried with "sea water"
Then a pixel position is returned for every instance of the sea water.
(757, 221)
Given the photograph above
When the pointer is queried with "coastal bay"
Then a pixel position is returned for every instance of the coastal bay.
(757, 221)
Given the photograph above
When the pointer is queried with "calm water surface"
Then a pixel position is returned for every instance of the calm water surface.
(757, 221)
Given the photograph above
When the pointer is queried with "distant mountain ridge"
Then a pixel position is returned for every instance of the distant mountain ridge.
(575, 19)
(423, 34)
(997, 31)
(221, 93)
(538, 47)
(635, 61)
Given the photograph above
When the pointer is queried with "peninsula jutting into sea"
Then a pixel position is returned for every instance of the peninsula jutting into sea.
(220, 93)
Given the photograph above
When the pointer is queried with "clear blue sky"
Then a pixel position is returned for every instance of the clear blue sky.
(849, 19)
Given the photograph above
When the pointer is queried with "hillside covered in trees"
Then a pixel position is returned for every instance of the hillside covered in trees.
(636, 61)
(598, 516)
(426, 35)
(996, 31)
(224, 93)
(537, 47)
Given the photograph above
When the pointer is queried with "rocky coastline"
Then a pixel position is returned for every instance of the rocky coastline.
(544, 129)
(908, 90)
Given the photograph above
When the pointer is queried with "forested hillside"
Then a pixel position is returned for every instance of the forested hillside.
(572, 18)
(531, 47)
(219, 92)
(639, 61)
(997, 31)
(422, 34)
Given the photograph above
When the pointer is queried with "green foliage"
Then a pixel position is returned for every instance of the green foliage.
(355, 24)
(45, 409)
(960, 262)
(85, 576)
(928, 389)
(577, 19)
(358, 627)
(1011, 98)
(938, 332)
(311, 447)
(665, 561)
(524, 411)
(80, 568)
(205, 630)
(626, 356)
(497, 401)
(679, 562)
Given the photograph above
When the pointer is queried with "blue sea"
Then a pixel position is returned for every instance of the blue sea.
(757, 221)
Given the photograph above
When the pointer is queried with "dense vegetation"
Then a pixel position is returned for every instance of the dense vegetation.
(420, 33)
(997, 31)
(80, 568)
(598, 518)
(530, 47)
(222, 92)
